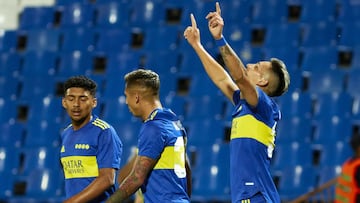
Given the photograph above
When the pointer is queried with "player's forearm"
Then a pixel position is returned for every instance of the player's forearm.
(215, 71)
(232, 62)
(129, 186)
(95, 189)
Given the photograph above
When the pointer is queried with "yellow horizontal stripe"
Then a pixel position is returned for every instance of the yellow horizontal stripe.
(249, 127)
(172, 158)
(80, 166)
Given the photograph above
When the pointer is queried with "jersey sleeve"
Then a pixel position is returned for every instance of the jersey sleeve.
(151, 141)
(109, 149)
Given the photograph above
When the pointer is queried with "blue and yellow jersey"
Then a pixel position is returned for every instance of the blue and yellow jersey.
(96, 145)
(252, 145)
(161, 138)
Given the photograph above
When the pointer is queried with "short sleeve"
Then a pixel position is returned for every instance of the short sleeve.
(109, 149)
(151, 141)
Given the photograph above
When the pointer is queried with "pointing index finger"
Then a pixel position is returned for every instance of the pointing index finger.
(193, 21)
(218, 10)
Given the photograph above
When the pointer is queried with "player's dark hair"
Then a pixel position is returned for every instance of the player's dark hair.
(281, 72)
(81, 82)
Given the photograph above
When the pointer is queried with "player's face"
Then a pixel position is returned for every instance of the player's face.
(257, 71)
(131, 100)
(78, 103)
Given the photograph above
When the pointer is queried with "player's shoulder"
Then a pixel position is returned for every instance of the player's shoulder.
(103, 125)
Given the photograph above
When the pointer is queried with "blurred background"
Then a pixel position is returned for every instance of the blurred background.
(43, 42)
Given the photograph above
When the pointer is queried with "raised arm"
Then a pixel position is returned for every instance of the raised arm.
(232, 61)
(214, 70)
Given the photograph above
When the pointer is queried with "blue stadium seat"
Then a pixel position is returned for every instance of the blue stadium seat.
(296, 104)
(42, 133)
(327, 174)
(163, 62)
(43, 185)
(11, 134)
(189, 64)
(41, 87)
(286, 35)
(6, 186)
(236, 11)
(167, 35)
(202, 85)
(112, 14)
(334, 154)
(41, 39)
(347, 34)
(237, 35)
(147, 13)
(77, 39)
(41, 157)
(127, 130)
(38, 63)
(175, 102)
(205, 131)
(355, 57)
(8, 40)
(113, 40)
(9, 86)
(290, 58)
(322, 81)
(301, 130)
(75, 63)
(46, 108)
(319, 34)
(265, 11)
(349, 11)
(291, 155)
(10, 64)
(37, 17)
(331, 129)
(295, 181)
(211, 174)
(76, 14)
(332, 103)
(9, 160)
(119, 63)
(317, 11)
(170, 81)
(116, 110)
(202, 107)
(353, 82)
(319, 58)
(8, 109)
(113, 89)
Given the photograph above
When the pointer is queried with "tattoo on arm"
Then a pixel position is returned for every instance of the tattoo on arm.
(142, 167)
(226, 53)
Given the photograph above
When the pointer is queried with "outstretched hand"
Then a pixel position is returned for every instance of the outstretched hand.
(215, 22)
(192, 33)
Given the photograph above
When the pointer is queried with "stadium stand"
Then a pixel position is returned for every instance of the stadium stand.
(42, 42)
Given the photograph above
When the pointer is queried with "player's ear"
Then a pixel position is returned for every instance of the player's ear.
(94, 102)
(262, 82)
(63, 102)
